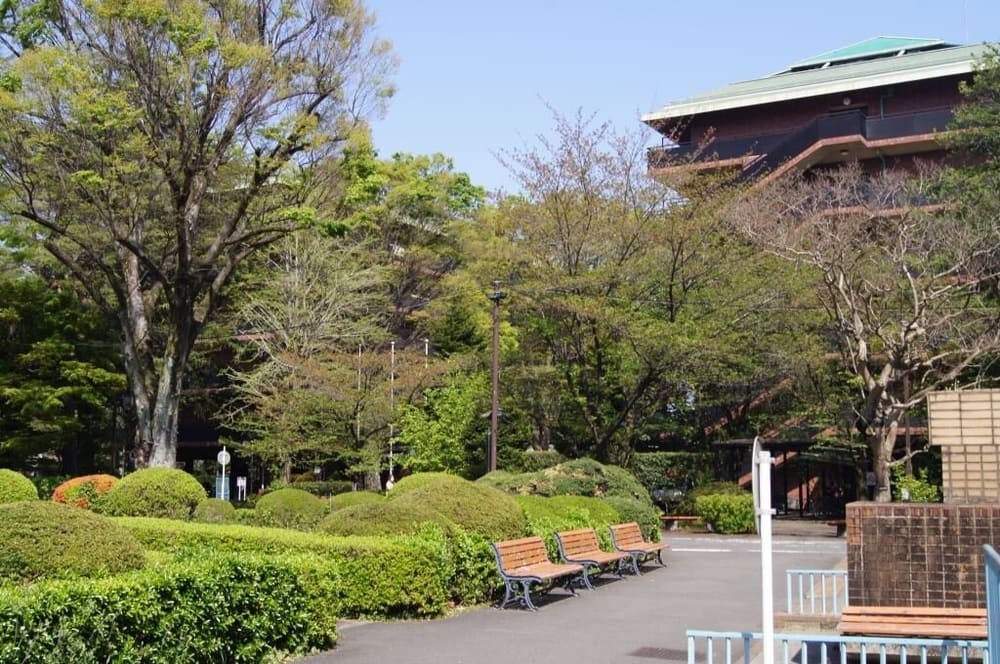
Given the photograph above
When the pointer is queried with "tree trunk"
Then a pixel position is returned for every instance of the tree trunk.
(882, 445)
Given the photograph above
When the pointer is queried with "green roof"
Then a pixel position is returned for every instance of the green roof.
(870, 48)
(873, 63)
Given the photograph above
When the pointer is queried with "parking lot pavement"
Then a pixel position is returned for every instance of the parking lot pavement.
(710, 582)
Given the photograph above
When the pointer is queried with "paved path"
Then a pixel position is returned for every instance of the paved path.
(710, 582)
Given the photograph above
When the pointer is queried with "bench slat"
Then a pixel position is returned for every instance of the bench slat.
(914, 621)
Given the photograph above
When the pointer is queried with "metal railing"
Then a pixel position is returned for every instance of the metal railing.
(816, 592)
(723, 647)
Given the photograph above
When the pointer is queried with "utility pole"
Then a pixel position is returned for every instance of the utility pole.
(491, 457)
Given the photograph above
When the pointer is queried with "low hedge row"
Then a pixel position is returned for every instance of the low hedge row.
(388, 577)
(218, 608)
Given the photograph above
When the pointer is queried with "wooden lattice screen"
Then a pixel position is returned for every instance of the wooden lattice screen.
(966, 424)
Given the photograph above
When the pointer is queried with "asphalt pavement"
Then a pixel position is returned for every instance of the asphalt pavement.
(710, 582)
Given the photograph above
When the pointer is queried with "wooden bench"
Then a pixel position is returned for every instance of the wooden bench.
(913, 622)
(670, 521)
(841, 525)
(581, 547)
(526, 562)
(627, 538)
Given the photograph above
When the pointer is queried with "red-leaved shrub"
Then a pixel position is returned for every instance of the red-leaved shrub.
(81, 491)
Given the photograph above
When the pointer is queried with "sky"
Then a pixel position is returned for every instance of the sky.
(477, 79)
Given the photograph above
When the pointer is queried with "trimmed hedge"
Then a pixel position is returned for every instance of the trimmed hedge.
(83, 491)
(383, 577)
(728, 514)
(219, 608)
(390, 517)
(45, 540)
(321, 488)
(639, 511)
(289, 508)
(474, 507)
(157, 492)
(14, 487)
(688, 506)
(351, 498)
(581, 477)
(215, 510)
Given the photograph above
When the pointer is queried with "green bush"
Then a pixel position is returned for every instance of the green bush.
(46, 484)
(529, 461)
(342, 500)
(727, 513)
(43, 539)
(377, 577)
(914, 489)
(388, 517)
(474, 507)
(687, 505)
(547, 515)
(323, 488)
(215, 510)
(14, 486)
(159, 492)
(647, 516)
(290, 508)
(581, 477)
(216, 608)
(672, 470)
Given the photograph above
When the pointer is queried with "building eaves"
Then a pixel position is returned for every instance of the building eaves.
(788, 85)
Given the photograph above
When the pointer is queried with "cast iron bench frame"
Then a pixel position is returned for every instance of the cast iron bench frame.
(627, 538)
(525, 562)
(913, 621)
(581, 547)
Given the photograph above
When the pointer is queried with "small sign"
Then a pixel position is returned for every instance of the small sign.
(221, 487)
(223, 457)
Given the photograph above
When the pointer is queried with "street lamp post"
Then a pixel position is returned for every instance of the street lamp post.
(495, 296)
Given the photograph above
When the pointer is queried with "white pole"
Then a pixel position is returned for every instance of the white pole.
(766, 572)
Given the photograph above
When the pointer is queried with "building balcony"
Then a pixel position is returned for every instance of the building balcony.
(854, 135)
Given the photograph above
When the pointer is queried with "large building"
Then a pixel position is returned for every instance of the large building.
(880, 102)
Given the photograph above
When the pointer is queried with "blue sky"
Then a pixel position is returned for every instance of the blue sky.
(475, 78)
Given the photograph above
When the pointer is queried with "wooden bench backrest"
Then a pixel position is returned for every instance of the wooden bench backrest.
(627, 534)
(576, 542)
(521, 552)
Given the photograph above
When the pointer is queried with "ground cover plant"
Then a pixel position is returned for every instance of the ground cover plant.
(14, 486)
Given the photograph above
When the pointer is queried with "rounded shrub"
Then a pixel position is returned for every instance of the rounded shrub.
(581, 477)
(84, 491)
(727, 513)
(630, 509)
(351, 498)
(474, 507)
(14, 487)
(388, 517)
(289, 508)
(43, 539)
(215, 510)
(158, 492)
(687, 505)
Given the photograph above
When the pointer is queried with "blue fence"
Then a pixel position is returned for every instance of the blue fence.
(816, 592)
(992, 561)
(706, 647)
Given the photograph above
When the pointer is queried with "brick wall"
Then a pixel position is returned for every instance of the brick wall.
(919, 554)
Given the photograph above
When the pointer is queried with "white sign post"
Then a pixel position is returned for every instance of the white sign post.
(222, 490)
(762, 505)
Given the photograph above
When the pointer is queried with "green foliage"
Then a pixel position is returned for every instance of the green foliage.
(215, 510)
(672, 470)
(389, 517)
(385, 577)
(916, 489)
(342, 500)
(687, 505)
(43, 539)
(14, 486)
(529, 461)
(474, 507)
(55, 392)
(548, 515)
(322, 488)
(630, 509)
(290, 508)
(47, 484)
(727, 513)
(162, 492)
(443, 434)
(214, 607)
(581, 477)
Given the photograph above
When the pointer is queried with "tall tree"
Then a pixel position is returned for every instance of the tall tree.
(908, 292)
(154, 146)
(624, 290)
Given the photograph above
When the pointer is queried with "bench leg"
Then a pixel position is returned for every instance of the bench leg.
(634, 557)
(526, 597)
(659, 557)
